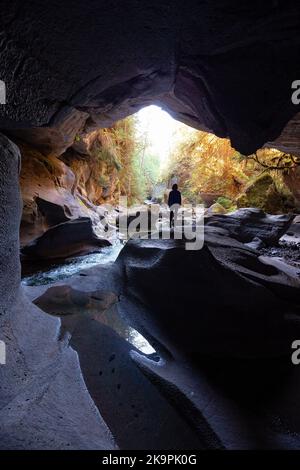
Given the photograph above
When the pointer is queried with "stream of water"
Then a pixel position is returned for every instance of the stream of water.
(71, 266)
(68, 268)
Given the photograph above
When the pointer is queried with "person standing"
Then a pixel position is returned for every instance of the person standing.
(174, 202)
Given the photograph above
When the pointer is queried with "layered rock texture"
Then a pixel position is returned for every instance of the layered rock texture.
(222, 319)
(226, 67)
(57, 189)
(36, 412)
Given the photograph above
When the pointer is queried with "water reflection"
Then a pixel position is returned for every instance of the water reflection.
(109, 317)
(137, 340)
(113, 319)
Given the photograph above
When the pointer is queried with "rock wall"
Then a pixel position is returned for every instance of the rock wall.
(292, 180)
(35, 410)
(57, 189)
(10, 214)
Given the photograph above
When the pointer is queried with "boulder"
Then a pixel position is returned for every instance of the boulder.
(216, 208)
(263, 194)
(219, 301)
(249, 223)
(53, 213)
(255, 244)
(69, 238)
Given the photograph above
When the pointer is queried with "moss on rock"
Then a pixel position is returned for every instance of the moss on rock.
(263, 193)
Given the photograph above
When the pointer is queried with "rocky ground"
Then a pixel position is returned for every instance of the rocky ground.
(288, 248)
(221, 321)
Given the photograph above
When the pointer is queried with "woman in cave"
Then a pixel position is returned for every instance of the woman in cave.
(174, 201)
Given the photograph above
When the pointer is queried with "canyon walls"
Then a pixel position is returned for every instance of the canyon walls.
(39, 366)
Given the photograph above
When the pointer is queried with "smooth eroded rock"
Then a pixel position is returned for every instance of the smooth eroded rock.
(220, 300)
(70, 238)
(248, 223)
(222, 66)
(40, 367)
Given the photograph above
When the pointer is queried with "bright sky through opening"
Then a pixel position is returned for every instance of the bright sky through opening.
(159, 127)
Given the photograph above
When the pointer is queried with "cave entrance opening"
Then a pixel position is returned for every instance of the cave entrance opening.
(66, 194)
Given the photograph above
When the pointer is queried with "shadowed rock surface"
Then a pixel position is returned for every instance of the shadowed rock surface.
(138, 415)
(66, 239)
(249, 223)
(234, 302)
(195, 308)
(227, 67)
(35, 410)
(54, 214)
(226, 359)
(248, 404)
(225, 400)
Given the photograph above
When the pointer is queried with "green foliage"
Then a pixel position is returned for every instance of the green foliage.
(255, 194)
(114, 152)
(146, 172)
(204, 163)
(227, 203)
(263, 193)
(190, 196)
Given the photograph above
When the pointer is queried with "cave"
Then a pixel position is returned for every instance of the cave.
(161, 348)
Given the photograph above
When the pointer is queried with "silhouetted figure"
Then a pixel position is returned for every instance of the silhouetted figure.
(174, 201)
